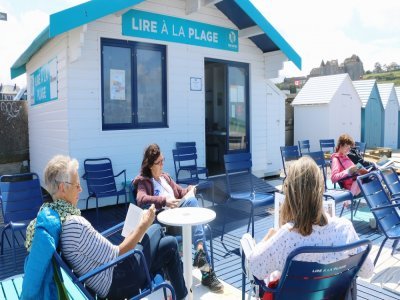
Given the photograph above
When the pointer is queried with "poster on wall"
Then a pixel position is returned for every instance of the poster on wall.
(44, 83)
(117, 84)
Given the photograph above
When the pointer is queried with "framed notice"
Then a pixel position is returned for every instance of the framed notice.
(196, 84)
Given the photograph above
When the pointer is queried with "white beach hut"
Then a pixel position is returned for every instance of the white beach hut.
(107, 78)
(372, 112)
(326, 107)
(397, 90)
(391, 106)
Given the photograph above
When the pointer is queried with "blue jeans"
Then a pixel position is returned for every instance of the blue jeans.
(161, 253)
(197, 230)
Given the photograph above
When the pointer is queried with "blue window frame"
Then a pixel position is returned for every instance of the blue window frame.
(133, 84)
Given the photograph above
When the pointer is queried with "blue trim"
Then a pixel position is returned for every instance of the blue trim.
(270, 31)
(84, 13)
(19, 67)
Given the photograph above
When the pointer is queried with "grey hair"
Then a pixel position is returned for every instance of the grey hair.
(59, 169)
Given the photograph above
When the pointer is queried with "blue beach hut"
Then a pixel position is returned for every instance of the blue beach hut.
(391, 105)
(372, 112)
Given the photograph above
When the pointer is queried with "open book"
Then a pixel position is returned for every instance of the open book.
(132, 220)
(361, 170)
(329, 207)
(188, 195)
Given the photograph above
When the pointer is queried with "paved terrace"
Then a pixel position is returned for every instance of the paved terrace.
(383, 285)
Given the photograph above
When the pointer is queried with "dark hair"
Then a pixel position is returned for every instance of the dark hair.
(150, 155)
(344, 139)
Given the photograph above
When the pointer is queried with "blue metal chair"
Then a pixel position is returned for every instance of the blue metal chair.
(240, 188)
(391, 180)
(289, 153)
(382, 207)
(100, 180)
(335, 194)
(21, 198)
(153, 283)
(328, 147)
(361, 147)
(304, 146)
(304, 280)
(187, 171)
(200, 170)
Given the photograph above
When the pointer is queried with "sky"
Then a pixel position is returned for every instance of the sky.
(317, 30)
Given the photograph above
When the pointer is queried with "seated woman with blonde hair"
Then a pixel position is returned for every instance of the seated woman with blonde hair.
(303, 223)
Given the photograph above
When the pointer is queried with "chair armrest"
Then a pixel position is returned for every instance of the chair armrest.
(84, 176)
(97, 270)
(385, 206)
(122, 172)
(112, 230)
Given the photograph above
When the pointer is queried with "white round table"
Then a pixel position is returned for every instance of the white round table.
(187, 217)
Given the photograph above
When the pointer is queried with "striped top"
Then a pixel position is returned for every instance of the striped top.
(85, 249)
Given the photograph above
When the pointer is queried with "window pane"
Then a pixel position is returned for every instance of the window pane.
(117, 93)
(149, 86)
(237, 108)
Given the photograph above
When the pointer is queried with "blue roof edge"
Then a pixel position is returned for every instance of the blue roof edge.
(19, 67)
(268, 29)
(84, 13)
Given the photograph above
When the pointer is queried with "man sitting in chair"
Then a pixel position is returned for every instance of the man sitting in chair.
(86, 249)
(303, 223)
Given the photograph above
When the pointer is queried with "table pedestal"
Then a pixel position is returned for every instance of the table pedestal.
(187, 258)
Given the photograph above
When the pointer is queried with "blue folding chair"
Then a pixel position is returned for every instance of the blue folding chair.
(21, 198)
(361, 147)
(304, 280)
(201, 171)
(391, 180)
(100, 180)
(153, 284)
(382, 207)
(335, 194)
(289, 153)
(304, 146)
(328, 147)
(187, 171)
(240, 187)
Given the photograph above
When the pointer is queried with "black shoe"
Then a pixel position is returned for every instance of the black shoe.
(210, 280)
(200, 261)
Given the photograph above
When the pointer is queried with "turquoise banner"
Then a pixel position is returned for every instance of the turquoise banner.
(44, 83)
(143, 24)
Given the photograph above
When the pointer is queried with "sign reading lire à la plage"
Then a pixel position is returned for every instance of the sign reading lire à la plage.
(143, 24)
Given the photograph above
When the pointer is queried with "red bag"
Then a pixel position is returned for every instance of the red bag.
(270, 296)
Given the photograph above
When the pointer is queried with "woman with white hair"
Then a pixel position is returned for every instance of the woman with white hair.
(85, 249)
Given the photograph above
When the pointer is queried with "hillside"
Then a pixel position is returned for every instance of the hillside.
(385, 77)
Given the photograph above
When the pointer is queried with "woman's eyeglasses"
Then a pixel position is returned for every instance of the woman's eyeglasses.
(77, 185)
(160, 162)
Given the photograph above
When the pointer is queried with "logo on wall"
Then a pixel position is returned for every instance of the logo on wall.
(232, 37)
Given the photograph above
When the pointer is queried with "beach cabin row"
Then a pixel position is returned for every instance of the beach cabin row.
(106, 78)
(328, 106)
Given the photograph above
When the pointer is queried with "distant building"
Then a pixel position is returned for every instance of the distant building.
(351, 65)
(8, 92)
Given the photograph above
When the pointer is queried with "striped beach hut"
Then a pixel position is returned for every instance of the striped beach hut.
(326, 107)
(372, 112)
(397, 90)
(391, 106)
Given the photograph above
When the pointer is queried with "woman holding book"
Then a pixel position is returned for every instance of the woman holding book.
(303, 222)
(84, 248)
(343, 170)
(153, 186)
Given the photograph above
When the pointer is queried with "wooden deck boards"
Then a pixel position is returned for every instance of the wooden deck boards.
(226, 254)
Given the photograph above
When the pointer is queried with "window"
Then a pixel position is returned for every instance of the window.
(133, 85)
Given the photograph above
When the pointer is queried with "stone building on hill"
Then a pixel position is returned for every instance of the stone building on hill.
(351, 65)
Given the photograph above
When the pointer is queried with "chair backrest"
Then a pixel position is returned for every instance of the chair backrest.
(318, 157)
(361, 147)
(289, 153)
(327, 145)
(185, 144)
(391, 180)
(99, 176)
(304, 146)
(313, 280)
(21, 197)
(238, 172)
(185, 164)
(376, 197)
